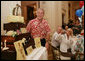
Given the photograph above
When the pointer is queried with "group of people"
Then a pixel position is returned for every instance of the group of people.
(76, 26)
(62, 38)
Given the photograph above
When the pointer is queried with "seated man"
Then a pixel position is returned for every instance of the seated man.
(56, 40)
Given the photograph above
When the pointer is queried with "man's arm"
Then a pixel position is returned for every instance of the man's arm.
(48, 31)
(47, 41)
(48, 37)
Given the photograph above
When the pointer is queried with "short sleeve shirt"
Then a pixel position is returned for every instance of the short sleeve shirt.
(38, 28)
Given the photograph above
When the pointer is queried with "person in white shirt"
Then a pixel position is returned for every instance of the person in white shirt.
(66, 43)
(57, 38)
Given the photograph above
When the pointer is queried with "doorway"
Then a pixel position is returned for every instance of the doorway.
(29, 9)
(30, 14)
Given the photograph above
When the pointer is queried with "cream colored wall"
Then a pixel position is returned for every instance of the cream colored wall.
(65, 10)
(58, 14)
(6, 9)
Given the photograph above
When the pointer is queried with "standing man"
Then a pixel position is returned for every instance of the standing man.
(39, 27)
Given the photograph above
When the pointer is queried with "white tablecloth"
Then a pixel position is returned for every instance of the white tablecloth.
(38, 54)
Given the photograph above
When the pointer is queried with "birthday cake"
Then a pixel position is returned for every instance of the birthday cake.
(13, 18)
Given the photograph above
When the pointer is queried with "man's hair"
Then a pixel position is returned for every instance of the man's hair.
(40, 9)
(59, 27)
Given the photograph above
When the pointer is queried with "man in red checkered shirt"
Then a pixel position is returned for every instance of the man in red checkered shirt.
(39, 27)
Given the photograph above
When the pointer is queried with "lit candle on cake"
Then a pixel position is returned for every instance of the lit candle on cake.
(5, 48)
(5, 43)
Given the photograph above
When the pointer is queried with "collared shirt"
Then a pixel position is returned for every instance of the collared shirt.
(65, 44)
(38, 28)
(56, 39)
